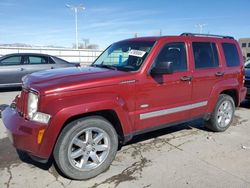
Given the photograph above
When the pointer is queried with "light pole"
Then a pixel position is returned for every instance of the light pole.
(160, 32)
(200, 26)
(76, 9)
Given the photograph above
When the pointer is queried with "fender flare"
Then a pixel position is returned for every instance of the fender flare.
(218, 88)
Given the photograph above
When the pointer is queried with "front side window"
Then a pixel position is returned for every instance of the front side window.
(231, 54)
(15, 60)
(205, 55)
(175, 53)
(125, 55)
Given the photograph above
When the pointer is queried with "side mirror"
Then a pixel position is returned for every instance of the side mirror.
(163, 68)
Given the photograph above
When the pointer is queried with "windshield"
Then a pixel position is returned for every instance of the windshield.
(247, 64)
(125, 55)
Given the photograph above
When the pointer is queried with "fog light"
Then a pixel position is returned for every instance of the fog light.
(40, 136)
(41, 117)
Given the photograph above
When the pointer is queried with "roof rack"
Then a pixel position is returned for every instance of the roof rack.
(206, 35)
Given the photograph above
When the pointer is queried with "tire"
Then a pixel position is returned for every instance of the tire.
(223, 114)
(86, 148)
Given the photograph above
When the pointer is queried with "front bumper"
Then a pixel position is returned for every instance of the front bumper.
(22, 133)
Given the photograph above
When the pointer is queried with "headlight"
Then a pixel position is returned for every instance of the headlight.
(33, 114)
(32, 104)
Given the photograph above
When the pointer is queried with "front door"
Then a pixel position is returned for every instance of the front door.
(11, 71)
(34, 63)
(166, 98)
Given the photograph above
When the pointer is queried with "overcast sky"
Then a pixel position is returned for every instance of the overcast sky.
(49, 22)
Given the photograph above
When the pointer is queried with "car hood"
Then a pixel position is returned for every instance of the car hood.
(72, 78)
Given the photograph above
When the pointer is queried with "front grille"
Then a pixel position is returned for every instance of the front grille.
(22, 103)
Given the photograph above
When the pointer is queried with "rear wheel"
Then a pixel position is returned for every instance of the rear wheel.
(86, 147)
(223, 114)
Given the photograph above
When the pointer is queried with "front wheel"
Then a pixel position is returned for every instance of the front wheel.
(86, 147)
(223, 114)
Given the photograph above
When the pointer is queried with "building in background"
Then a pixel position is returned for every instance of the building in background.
(245, 46)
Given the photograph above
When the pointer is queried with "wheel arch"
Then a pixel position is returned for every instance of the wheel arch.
(109, 114)
(228, 87)
(232, 93)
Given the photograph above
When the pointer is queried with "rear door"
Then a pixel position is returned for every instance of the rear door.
(34, 63)
(11, 70)
(207, 71)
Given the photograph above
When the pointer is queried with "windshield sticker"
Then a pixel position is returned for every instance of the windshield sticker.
(136, 53)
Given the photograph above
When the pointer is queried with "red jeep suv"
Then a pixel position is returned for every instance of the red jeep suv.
(79, 115)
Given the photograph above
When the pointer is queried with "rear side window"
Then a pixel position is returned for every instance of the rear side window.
(231, 54)
(38, 60)
(205, 55)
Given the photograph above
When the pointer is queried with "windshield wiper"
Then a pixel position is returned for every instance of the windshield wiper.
(107, 66)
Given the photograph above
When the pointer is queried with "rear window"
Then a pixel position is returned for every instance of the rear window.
(58, 60)
(205, 55)
(231, 54)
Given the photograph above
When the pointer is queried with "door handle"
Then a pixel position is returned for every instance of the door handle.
(21, 69)
(52, 67)
(186, 78)
(219, 74)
